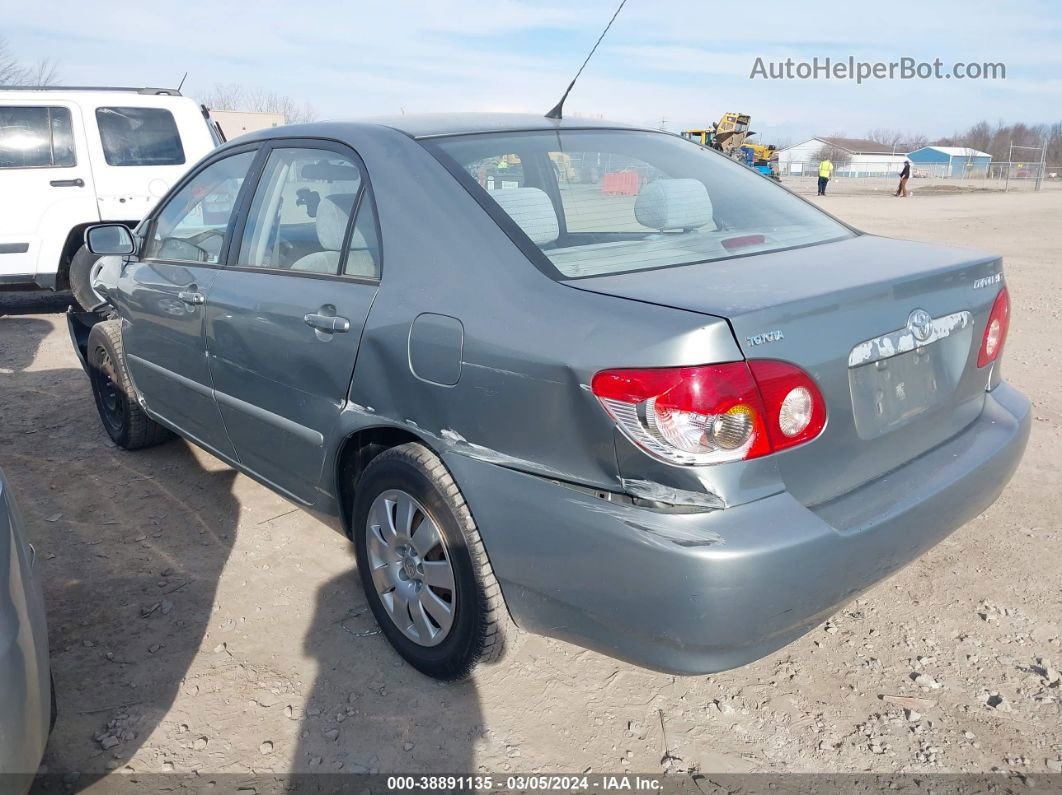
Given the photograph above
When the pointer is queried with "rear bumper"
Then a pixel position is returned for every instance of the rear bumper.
(699, 593)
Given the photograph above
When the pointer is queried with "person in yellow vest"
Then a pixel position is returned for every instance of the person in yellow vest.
(825, 172)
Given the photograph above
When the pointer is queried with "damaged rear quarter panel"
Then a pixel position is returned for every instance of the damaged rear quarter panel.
(531, 345)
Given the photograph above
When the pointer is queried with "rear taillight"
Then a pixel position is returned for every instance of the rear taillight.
(713, 413)
(996, 330)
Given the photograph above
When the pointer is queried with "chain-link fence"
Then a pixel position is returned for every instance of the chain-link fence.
(957, 175)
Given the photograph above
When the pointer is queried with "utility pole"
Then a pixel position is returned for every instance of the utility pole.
(1010, 159)
(1043, 164)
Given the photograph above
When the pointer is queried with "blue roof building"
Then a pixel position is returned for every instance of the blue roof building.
(950, 161)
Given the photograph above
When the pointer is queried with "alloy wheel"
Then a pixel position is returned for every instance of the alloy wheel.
(410, 567)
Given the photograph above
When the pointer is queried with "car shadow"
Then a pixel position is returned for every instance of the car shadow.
(389, 722)
(32, 302)
(131, 548)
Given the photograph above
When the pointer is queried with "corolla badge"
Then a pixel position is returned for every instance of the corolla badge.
(920, 324)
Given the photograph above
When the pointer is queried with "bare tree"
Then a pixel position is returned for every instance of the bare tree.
(996, 139)
(886, 137)
(233, 96)
(897, 140)
(15, 73)
(839, 157)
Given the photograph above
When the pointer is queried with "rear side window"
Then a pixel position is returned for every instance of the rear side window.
(139, 137)
(36, 137)
(300, 216)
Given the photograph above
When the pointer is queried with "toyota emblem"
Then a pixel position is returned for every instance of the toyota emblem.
(920, 324)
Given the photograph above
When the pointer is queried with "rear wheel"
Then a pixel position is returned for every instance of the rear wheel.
(121, 415)
(82, 268)
(423, 566)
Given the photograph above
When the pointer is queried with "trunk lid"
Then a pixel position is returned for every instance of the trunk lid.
(889, 330)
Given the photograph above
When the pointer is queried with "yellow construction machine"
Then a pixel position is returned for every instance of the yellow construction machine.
(730, 136)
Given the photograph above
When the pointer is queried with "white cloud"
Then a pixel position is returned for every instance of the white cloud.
(685, 62)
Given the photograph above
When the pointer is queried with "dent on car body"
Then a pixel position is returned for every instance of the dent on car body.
(668, 494)
(655, 524)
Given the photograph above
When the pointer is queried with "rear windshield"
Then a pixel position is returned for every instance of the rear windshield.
(139, 137)
(598, 202)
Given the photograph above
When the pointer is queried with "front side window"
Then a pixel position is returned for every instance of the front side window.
(598, 202)
(193, 224)
(301, 212)
(36, 137)
(139, 137)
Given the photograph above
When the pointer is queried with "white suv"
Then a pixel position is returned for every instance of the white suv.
(72, 157)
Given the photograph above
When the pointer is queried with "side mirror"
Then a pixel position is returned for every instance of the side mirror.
(109, 239)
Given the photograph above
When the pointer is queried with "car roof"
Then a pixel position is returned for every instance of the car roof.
(89, 96)
(427, 125)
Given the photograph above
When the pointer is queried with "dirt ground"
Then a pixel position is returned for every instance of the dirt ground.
(200, 623)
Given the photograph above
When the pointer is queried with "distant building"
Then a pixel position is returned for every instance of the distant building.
(865, 158)
(949, 161)
(238, 122)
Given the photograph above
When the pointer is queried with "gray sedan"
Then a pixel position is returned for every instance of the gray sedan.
(27, 707)
(591, 380)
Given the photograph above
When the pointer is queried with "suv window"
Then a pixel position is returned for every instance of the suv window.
(300, 214)
(36, 137)
(192, 225)
(139, 137)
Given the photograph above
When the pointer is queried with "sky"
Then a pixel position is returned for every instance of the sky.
(676, 64)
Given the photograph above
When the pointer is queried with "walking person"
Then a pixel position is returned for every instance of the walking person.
(904, 176)
(825, 172)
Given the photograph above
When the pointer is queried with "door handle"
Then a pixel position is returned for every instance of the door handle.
(333, 325)
(67, 183)
(191, 297)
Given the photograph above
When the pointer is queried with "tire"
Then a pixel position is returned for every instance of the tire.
(123, 419)
(480, 630)
(80, 277)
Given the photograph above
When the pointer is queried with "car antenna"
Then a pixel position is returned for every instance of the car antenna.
(181, 84)
(558, 109)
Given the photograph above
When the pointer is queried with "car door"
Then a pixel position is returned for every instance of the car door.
(162, 293)
(284, 318)
(46, 186)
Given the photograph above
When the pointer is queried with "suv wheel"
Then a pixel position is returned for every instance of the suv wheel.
(423, 566)
(123, 419)
(82, 268)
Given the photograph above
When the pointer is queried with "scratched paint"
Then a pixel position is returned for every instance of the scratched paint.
(672, 496)
(903, 340)
(656, 525)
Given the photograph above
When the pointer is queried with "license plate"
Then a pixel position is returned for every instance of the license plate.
(890, 392)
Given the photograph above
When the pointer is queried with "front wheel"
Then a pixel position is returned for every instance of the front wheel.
(123, 419)
(423, 566)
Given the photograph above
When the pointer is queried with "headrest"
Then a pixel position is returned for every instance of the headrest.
(332, 215)
(532, 211)
(673, 204)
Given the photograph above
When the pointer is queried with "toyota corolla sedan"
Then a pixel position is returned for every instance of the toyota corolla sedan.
(595, 381)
